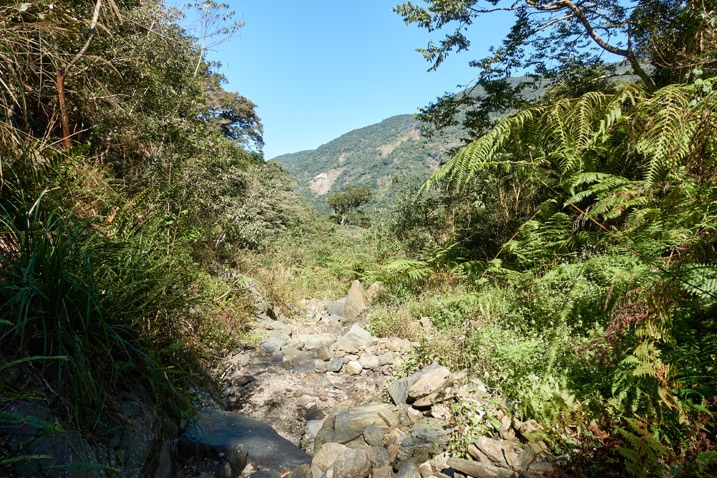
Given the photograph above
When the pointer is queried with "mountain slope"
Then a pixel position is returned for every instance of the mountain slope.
(387, 156)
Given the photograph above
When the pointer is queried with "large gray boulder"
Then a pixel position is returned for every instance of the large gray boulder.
(237, 440)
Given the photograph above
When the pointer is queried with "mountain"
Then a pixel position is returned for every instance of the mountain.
(388, 156)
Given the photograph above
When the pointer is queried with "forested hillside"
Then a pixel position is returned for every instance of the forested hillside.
(394, 151)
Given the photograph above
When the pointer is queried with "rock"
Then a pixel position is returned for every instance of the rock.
(480, 470)
(373, 435)
(506, 428)
(314, 341)
(325, 457)
(353, 463)
(425, 469)
(527, 456)
(398, 390)
(270, 346)
(347, 425)
(335, 364)
(528, 427)
(491, 448)
(136, 447)
(389, 417)
(336, 307)
(395, 344)
(215, 432)
(320, 366)
(353, 367)
(355, 301)
(426, 324)
(408, 470)
(431, 379)
(474, 452)
(369, 361)
(373, 291)
(386, 359)
(428, 437)
(323, 353)
(378, 456)
(353, 341)
(542, 468)
(313, 427)
(383, 472)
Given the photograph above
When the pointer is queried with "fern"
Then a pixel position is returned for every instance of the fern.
(643, 453)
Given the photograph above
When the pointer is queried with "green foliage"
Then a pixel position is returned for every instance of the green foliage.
(643, 453)
(69, 292)
(611, 303)
(562, 46)
(347, 202)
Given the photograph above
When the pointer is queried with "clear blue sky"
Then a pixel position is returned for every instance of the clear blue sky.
(320, 68)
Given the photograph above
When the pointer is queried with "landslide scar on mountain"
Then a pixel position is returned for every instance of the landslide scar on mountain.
(322, 183)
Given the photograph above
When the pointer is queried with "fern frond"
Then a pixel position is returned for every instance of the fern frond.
(481, 154)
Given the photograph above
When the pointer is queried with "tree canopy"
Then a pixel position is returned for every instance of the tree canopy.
(576, 43)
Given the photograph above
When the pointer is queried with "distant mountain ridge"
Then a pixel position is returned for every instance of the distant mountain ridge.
(386, 156)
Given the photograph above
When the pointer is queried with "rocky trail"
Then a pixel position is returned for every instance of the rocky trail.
(320, 397)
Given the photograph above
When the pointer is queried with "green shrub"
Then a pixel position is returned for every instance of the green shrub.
(68, 291)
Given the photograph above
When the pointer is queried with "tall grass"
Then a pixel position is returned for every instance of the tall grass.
(66, 290)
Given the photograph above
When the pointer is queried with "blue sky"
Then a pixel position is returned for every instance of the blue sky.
(320, 68)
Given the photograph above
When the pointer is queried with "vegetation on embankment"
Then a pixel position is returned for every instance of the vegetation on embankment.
(129, 180)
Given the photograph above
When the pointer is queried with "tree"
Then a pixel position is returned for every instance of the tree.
(233, 114)
(215, 25)
(343, 203)
(661, 41)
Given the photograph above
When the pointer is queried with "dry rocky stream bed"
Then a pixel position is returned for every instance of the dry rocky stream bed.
(320, 397)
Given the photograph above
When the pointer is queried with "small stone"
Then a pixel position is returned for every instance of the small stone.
(385, 359)
(320, 366)
(432, 379)
(325, 457)
(389, 417)
(425, 469)
(398, 390)
(491, 448)
(540, 468)
(270, 346)
(374, 290)
(323, 353)
(369, 361)
(352, 342)
(531, 426)
(395, 344)
(506, 429)
(297, 393)
(353, 367)
(527, 456)
(353, 463)
(242, 380)
(335, 364)
(408, 470)
(355, 301)
(474, 452)
(383, 472)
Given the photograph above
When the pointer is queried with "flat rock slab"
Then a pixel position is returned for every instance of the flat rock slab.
(352, 342)
(473, 468)
(216, 431)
